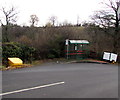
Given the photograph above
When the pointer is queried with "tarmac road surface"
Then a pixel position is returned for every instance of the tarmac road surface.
(73, 80)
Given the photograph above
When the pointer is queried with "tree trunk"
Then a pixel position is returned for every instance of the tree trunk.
(6, 34)
(116, 35)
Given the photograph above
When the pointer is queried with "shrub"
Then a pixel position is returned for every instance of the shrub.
(17, 50)
(51, 56)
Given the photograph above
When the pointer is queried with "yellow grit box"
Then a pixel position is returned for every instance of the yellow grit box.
(15, 61)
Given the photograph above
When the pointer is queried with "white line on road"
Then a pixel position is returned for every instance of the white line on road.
(37, 87)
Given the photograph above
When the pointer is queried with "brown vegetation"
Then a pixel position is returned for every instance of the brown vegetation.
(49, 42)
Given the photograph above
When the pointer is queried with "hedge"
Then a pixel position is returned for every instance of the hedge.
(13, 49)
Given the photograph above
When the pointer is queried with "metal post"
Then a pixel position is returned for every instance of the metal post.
(67, 50)
(67, 44)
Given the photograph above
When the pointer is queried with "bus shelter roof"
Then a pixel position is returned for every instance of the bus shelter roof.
(79, 41)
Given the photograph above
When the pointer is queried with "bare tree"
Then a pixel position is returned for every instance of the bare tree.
(10, 15)
(53, 20)
(34, 20)
(109, 18)
(103, 19)
(48, 24)
(10, 18)
(1, 22)
(66, 23)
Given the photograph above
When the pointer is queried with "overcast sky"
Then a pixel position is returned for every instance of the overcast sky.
(64, 10)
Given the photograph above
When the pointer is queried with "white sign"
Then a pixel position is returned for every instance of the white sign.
(113, 57)
(67, 42)
(110, 56)
(75, 47)
(106, 56)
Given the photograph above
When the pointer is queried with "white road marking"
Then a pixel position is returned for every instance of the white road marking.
(27, 89)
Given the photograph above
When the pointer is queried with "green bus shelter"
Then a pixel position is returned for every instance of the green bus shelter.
(76, 49)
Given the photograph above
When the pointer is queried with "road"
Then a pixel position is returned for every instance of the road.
(73, 80)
